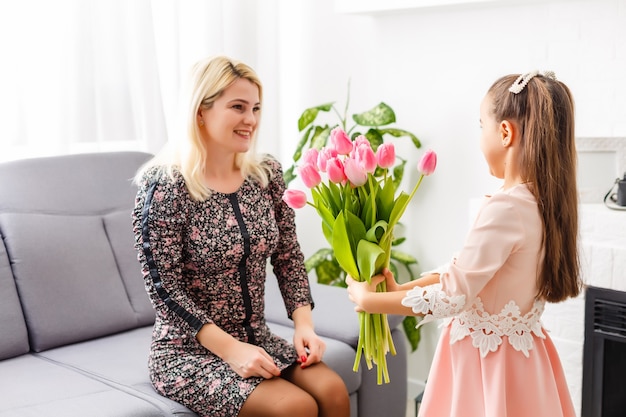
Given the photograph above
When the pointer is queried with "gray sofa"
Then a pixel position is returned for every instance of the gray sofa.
(75, 320)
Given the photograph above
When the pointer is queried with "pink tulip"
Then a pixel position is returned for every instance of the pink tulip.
(386, 155)
(335, 170)
(365, 156)
(354, 172)
(427, 163)
(361, 140)
(340, 141)
(310, 156)
(310, 176)
(295, 199)
(325, 154)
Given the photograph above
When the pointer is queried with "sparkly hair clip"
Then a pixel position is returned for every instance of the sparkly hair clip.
(523, 79)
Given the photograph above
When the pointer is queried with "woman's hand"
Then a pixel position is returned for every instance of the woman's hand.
(250, 360)
(309, 345)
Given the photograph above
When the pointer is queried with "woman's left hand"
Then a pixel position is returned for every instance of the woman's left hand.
(309, 345)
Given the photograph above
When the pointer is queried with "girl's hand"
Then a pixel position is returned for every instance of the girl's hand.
(309, 346)
(359, 291)
(390, 281)
(249, 360)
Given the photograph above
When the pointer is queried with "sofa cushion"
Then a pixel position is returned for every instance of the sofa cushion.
(14, 338)
(66, 277)
(119, 229)
(32, 386)
(96, 183)
(120, 360)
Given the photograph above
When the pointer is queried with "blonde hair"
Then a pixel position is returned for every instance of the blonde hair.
(544, 111)
(207, 81)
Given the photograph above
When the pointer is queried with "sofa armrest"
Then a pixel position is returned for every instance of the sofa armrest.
(333, 315)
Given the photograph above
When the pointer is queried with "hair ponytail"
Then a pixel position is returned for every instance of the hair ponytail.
(544, 111)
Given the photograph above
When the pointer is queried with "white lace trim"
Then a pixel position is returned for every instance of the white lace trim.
(486, 329)
(433, 303)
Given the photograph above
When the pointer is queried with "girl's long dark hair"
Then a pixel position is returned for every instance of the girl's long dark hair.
(544, 112)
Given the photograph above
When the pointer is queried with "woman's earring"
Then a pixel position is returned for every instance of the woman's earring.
(201, 122)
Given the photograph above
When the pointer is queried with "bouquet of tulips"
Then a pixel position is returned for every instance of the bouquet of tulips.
(359, 206)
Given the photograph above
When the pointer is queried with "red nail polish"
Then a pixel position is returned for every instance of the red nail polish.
(302, 358)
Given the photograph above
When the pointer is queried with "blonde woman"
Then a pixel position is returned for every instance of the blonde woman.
(208, 216)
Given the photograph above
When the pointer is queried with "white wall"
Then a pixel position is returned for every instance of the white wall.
(433, 66)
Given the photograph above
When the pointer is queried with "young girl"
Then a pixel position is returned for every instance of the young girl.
(494, 359)
(208, 216)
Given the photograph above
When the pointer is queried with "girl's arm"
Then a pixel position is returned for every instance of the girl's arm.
(366, 298)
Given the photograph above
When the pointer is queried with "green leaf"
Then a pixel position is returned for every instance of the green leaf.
(398, 208)
(343, 243)
(397, 133)
(327, 230)
(403, 257)
(398, 241)
(317, 258)
(413, 335)
(398, 173)
(309, 115)
(368, 256)
(375, 138)
(385, 200)
(328, 272)
(320, 137)
(380, 115)
(288, 175)
(326, 215)
(375, 232)
(303, 140)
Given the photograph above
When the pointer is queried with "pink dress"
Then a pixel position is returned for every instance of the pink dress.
(493, 359)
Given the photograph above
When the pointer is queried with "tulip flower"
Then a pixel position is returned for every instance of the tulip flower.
(427, 163)
(335, 171)
(310, 176)
(386, 155)
(340, 141)
(323, 156)
(295, 199)
(310, 156)
(354, 172)
(366, 157)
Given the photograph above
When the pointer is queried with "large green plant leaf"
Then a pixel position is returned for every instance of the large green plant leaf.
(375, 138)
(413, 335)
(320, 137)
(318, 258)
(330, 273)
(380, 115)
(397, 133)
(309, 115)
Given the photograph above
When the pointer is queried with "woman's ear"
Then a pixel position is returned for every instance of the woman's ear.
(508, 132)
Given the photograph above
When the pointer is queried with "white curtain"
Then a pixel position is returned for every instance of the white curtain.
(99, 75)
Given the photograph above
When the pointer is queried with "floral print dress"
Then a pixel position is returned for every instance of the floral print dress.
(205, 262)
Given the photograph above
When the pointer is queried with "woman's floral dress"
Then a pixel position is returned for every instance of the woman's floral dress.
(205, 262)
